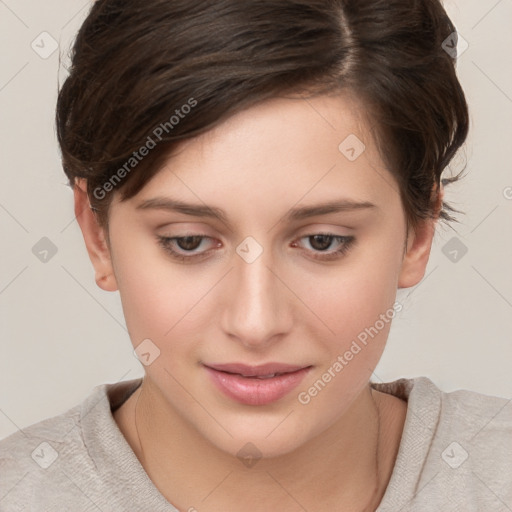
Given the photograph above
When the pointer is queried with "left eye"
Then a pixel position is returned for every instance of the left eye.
(188, 244)
(320, 242)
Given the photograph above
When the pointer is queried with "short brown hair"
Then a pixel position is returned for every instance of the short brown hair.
(186, 66)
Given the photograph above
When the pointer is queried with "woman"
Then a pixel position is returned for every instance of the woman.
(257, 179)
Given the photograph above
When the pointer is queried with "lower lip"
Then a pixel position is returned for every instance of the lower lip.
(253, 391)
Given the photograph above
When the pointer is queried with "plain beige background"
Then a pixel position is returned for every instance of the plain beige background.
(61, 335)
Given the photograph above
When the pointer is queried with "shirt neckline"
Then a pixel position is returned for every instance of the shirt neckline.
(115, 459)
(109, 450)
(423, 399)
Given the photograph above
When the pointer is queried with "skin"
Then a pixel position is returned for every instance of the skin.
(285, 306)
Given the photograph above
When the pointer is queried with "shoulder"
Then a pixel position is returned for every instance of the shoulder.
(78, 460)
(471, 451)
(470, 456)
(479, 428)
(454, 411)
(38, 463)
(58, 430)
(455, 452)
(475, 423)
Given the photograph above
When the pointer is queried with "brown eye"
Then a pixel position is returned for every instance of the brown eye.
(184, 248)
(189, 243)
(319, 242)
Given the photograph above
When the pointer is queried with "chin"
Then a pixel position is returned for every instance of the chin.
(266, 440)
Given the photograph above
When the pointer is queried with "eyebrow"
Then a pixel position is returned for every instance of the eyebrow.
(295, 214)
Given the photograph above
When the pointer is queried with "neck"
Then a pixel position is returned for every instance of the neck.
(349, 463)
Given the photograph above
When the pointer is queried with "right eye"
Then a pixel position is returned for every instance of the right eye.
(187, 246)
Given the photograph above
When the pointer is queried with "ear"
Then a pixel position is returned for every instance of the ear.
(95, 238)
(419, 244)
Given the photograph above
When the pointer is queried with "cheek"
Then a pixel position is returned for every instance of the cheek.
(357, 303)
(351, 297)
(158, 296)
(360, 312)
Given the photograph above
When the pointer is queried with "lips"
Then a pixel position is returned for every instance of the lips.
(256, 385)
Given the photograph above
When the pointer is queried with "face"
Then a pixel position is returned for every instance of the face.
(263, 279)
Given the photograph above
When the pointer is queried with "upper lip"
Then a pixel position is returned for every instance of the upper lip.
(256, 371)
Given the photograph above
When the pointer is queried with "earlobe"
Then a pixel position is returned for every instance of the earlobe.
(417, 255)
(95, 238)
(419, 245)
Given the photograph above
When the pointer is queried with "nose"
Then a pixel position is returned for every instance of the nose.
(257, 311)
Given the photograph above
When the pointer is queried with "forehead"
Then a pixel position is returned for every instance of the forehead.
(294, 127)
(281, 151)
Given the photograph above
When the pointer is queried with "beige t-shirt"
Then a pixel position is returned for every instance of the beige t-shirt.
(455, 455)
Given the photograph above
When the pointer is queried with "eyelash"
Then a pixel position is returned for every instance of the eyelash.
(347, 243)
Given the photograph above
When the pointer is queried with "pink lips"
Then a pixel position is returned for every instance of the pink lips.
(256, 385)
